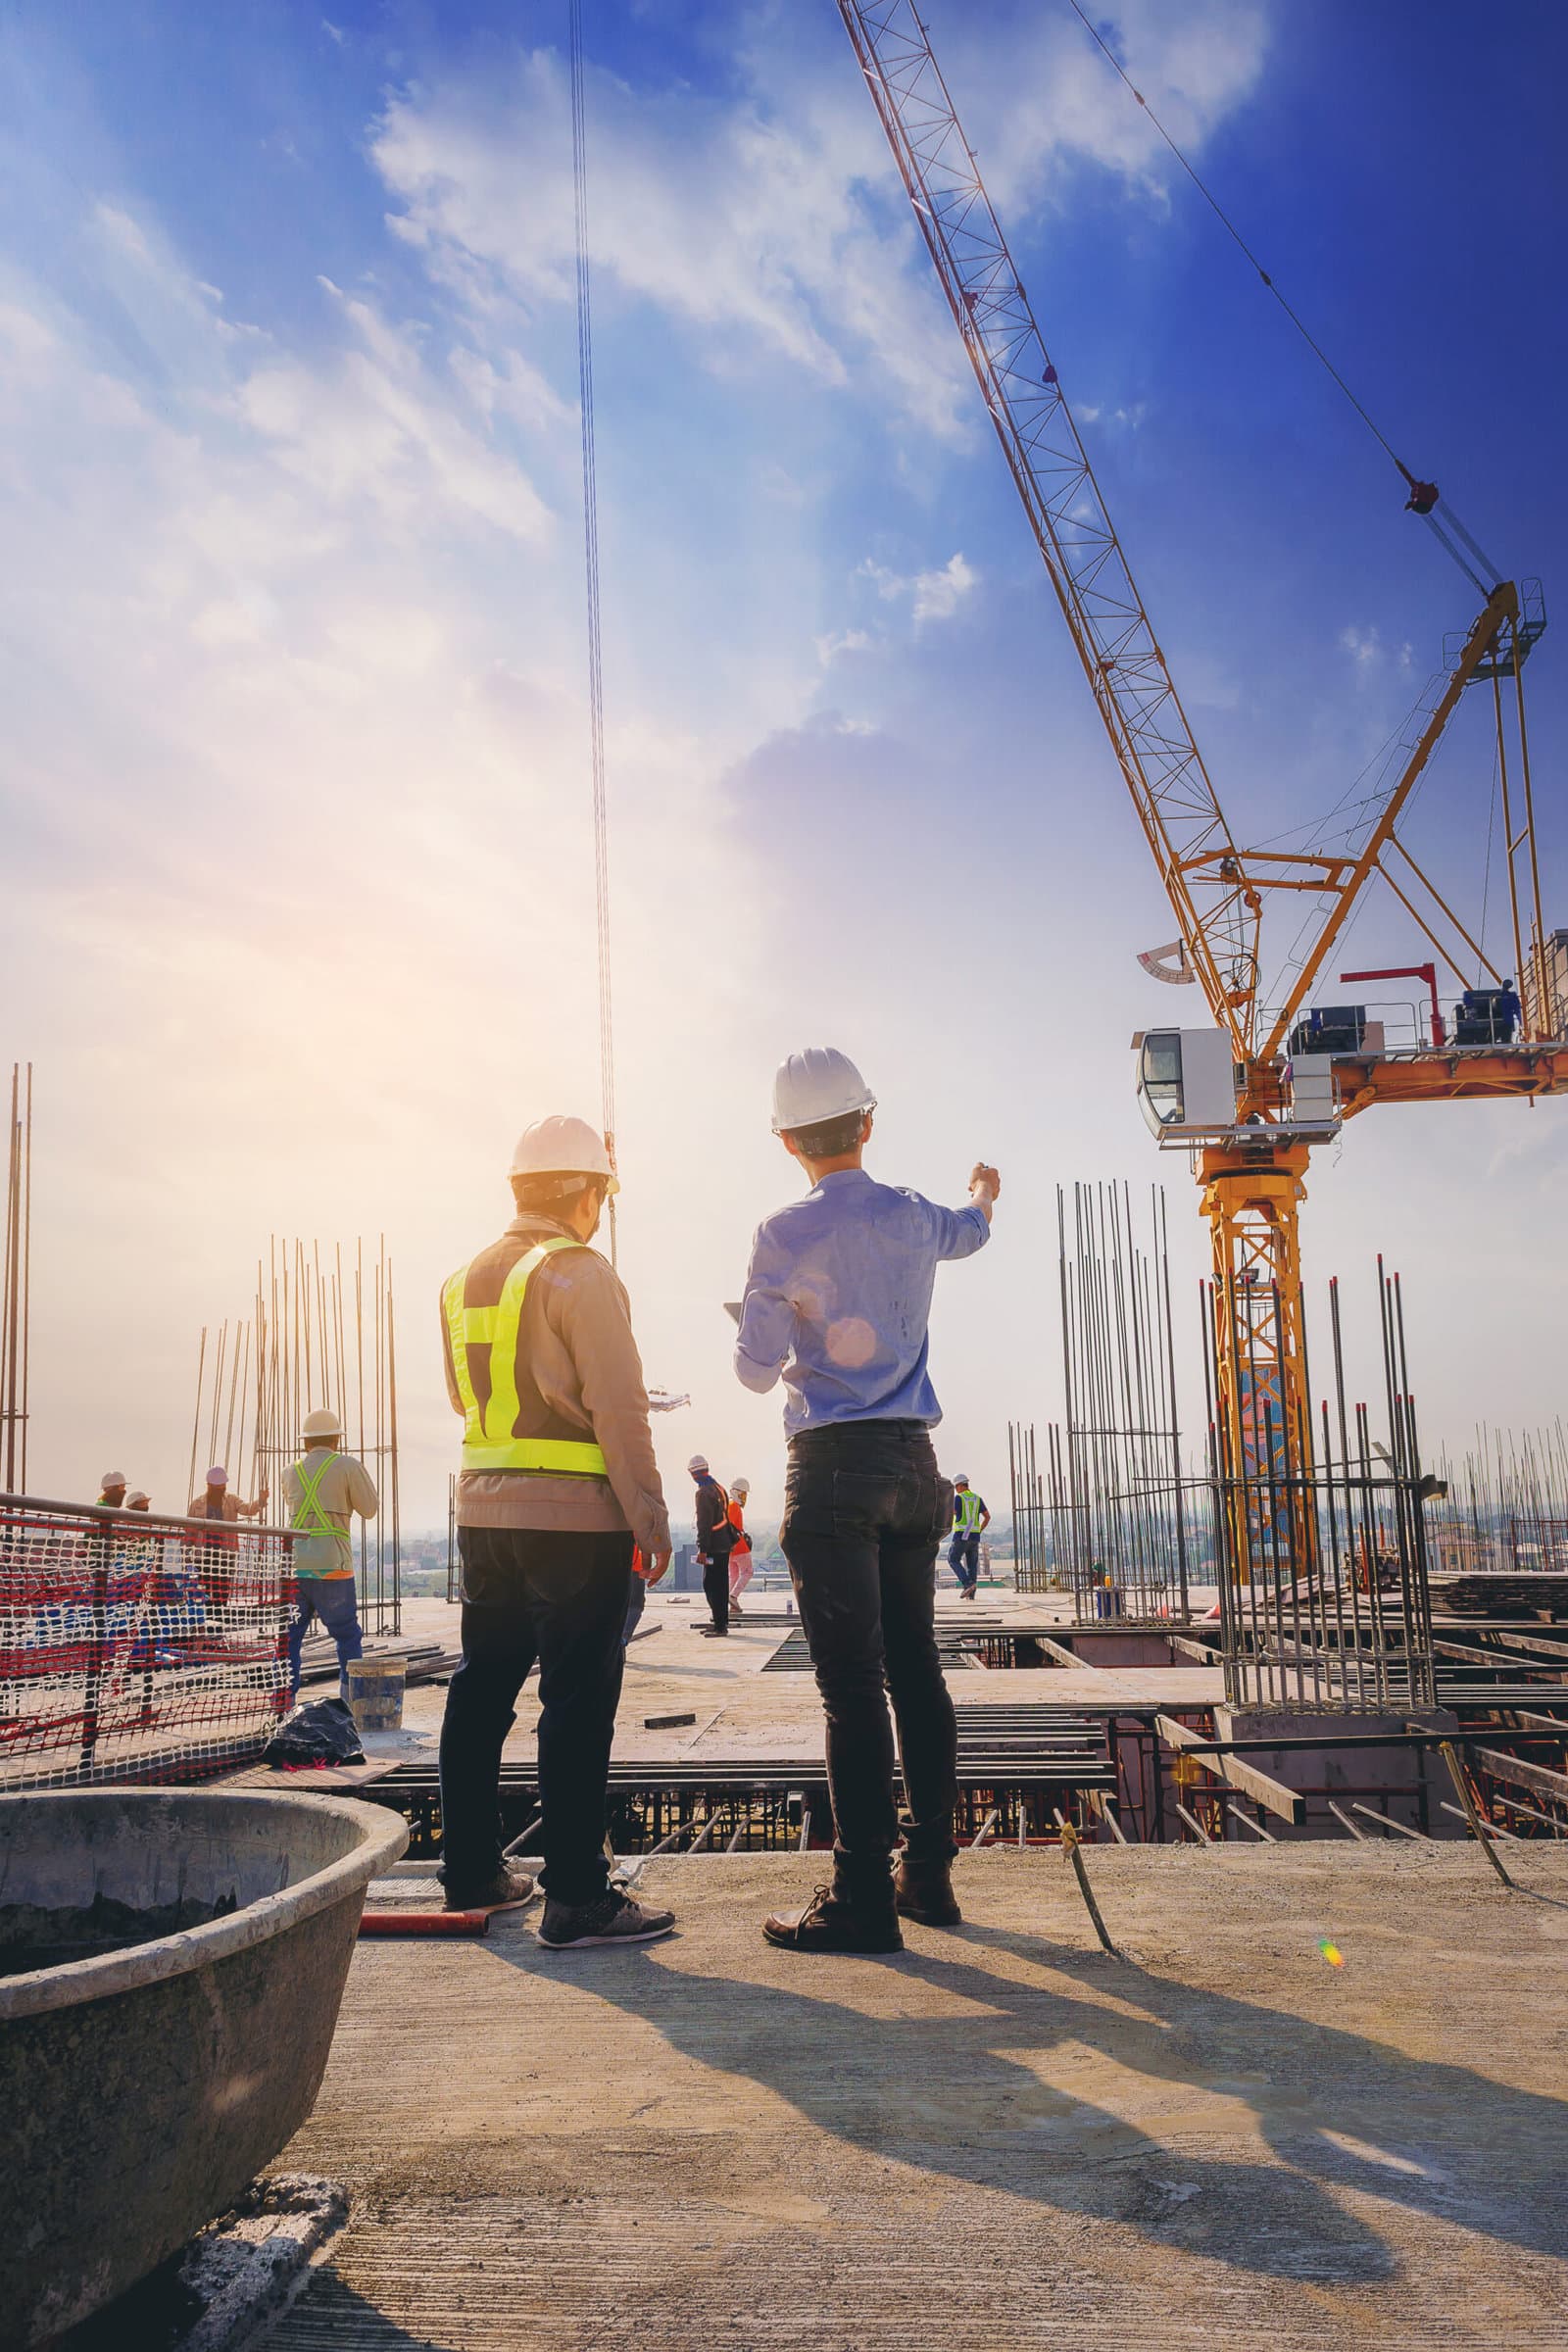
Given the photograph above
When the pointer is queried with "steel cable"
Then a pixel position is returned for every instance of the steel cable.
(590, 530)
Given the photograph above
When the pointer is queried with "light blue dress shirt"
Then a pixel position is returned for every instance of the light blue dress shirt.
(838, 1295)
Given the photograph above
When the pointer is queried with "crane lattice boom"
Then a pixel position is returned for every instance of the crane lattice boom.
(1218, 909)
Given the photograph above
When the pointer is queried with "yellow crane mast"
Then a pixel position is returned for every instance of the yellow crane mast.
(1249, 1098)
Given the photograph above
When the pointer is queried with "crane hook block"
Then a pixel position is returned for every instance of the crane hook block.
(1423, 497)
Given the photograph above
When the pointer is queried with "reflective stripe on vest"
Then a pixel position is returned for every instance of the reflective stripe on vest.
(971, 1507)
(488, 1442)
(309, 1520)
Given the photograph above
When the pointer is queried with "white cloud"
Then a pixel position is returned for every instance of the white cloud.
(737, 221)
(845, 641)
(938, 594)
(1363, 645)
(374, 426)
(935, 595)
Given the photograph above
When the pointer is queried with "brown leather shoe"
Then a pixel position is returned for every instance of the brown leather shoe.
(924, 1890)
(830, 1924)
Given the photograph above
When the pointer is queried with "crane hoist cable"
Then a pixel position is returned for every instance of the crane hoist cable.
(1425, 499)
(590, 533)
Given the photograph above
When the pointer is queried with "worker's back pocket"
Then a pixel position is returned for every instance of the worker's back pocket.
(865, 1503)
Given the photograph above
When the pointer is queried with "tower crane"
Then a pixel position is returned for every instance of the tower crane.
(1251, 1097)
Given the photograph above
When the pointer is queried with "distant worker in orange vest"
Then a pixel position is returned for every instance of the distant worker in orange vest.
(323, 1491)
(740, 1557)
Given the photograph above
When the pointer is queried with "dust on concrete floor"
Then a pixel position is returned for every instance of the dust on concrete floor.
(1000, 2139)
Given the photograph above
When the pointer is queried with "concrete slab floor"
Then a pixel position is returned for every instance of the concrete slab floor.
(1001, 2138)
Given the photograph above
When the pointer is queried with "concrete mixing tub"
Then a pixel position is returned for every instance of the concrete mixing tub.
(142, 2085)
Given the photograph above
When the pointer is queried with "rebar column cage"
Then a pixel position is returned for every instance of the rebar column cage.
(1033, 1567)
(1319, 1534)
(1119, 1513)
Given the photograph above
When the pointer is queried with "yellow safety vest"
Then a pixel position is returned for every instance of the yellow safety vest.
(311, 1522)
(488, 1442)
(969, 1507)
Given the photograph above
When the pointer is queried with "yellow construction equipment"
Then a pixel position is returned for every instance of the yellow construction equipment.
(1251, 1097)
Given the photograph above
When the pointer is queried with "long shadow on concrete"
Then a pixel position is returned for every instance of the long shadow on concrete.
(955, 2092)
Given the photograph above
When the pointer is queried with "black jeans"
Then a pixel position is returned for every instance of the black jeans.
(715, 1585)
(864, 1508)
(561, 1598)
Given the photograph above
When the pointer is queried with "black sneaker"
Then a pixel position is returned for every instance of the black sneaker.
(507, 1888)
(713, 1630)
(830, 1924)
(613, 1919)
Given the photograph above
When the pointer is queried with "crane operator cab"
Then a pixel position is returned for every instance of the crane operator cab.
(1186, 1082)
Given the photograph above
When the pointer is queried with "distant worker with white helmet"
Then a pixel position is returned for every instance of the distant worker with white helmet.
(837, 1299)
(322, 1489)
(558, 1488)
(218, 1499)
(970, 1519)
(740, 1558)
(715, 1541)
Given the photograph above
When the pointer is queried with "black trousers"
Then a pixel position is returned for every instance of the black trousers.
(864, 1508)
(559, 1598)
(715, 1585)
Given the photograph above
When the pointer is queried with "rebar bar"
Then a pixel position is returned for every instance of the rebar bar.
(293, 1353)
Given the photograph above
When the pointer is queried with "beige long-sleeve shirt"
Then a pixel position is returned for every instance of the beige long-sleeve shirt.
(346, 1487)
(575, 1346)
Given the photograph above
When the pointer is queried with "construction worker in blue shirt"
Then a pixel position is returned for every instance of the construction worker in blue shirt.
(970, 1519)
(837, 1299)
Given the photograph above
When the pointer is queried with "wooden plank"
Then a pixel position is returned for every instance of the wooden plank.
(1273, 1795)
(1194, 1649)
(1539, 1777)
(1065, 1657)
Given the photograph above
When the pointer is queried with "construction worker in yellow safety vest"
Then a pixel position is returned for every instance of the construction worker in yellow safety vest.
(970, 1519)
(559, 1489)
(322, 1488)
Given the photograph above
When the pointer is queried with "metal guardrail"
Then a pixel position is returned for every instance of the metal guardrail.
(134, 1646)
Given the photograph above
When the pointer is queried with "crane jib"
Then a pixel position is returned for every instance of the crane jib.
(1196, 856)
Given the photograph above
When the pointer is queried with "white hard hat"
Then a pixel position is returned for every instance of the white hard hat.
(561, 1146)
(111, 1477)
(322, 1423)
(134, 1502)
(739, 1486)
(699, 1462)
(218, 1476)
(962, 1478)
(822, 1083)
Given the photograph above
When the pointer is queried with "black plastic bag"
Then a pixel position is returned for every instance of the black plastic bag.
(323, 1733)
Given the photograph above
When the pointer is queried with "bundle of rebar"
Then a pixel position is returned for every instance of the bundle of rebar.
(16, 1284)
(1120, 1518)
(299, 1351)
(1318, 1528)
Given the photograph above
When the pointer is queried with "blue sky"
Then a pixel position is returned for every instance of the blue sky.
(296, 801)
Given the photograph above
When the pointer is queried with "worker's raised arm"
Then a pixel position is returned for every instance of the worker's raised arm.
(767, 1318)
(961, 1232)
